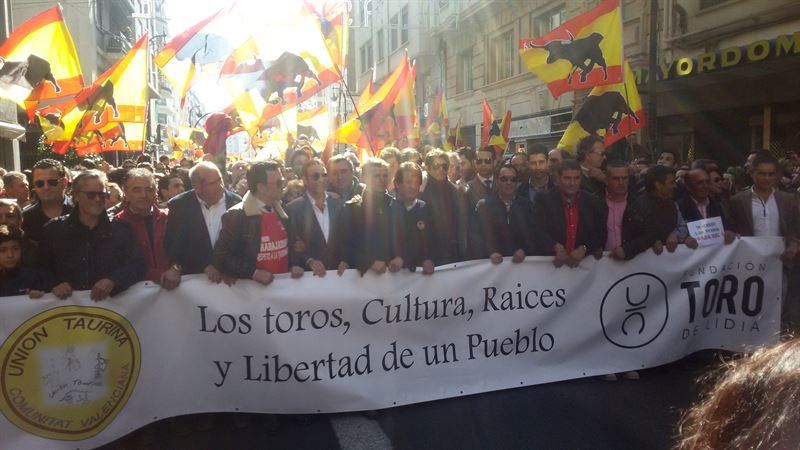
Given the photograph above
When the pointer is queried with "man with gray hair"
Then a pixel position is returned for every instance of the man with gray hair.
(85, 249)
(149, 226)
(195, 220)
(15, 187)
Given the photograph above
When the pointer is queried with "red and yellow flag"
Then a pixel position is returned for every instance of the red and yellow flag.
(455, 138)
(376, 127)
(488, 119)
(200, 49)
(109, 115)
(405, 112)
(333, 18)
(498, 134)
(315, 125)
(584, 52)
(437, 125)
(40, 62)
(611, 112)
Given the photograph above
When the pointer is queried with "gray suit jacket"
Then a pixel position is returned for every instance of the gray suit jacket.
(741, 213)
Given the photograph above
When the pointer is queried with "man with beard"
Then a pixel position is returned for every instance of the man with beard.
(538, 174)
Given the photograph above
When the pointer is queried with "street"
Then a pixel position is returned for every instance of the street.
(584, 413)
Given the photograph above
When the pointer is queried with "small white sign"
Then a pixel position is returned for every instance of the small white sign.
(707, 231)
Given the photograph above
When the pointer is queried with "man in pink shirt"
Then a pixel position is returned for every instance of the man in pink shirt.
(617, 180)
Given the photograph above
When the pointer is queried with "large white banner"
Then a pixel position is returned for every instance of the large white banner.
(78, 374)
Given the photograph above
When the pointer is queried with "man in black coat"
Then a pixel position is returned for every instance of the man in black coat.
(698, 204)
(413, 229)
(448, 209)
(365, 224)
(651, 221)
(503, 221)
(312, 222)
(570, 223)
(194, 223)
(86, 250)
(483, 184)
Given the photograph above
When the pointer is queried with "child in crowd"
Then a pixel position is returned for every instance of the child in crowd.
(14, 278)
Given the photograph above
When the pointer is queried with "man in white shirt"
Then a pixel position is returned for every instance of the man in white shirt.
(195, 220)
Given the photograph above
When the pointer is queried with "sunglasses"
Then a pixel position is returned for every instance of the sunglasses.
(508, 179)
(483, 161)
(94, 195)
(52, 182)
(317, 175)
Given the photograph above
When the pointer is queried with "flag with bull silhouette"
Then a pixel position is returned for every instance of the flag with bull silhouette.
(611, 112)
(38, 62)
(584, 52)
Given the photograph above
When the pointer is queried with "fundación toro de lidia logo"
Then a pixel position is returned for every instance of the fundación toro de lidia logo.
(68, 371)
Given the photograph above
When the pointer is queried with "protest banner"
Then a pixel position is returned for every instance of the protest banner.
(78, 374)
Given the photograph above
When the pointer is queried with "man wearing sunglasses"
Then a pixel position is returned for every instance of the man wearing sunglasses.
(502, 221)
(85, 249)
(483, 184)
(312, 219)
(448, 210)
(49, 183)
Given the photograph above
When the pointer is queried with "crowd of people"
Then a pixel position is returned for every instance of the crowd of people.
(99, 228)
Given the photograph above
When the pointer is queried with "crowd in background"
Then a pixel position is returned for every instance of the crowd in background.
(102, 228)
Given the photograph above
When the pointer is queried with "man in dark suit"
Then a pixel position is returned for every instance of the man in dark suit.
(194, 223)
(698, 203)
(591, 154)
(448, 209)
(312, 220)
(412, 234)
(483, 184)
(503, 220)
(570, 223)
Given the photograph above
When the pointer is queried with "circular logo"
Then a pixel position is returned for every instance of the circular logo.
(634, 310)
(67, 372)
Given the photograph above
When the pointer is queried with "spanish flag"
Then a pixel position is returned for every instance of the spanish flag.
(315, 125)
(405, 111)
(333, 18)
(437, 124)
(498, 133)
(612, 112)
(203, 45)
(584, 52)
(39, 62)
(109, 115)
(375, 126)
(488, 119)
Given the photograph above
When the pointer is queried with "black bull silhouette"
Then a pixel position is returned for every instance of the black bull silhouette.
(29, 73)
(283, 73)
(601, 112)
(583, 53)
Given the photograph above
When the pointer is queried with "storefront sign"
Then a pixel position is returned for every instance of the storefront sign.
(533, 126)
(780, 47)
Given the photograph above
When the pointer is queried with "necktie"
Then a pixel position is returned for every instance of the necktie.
(488, 184)
(267, 208)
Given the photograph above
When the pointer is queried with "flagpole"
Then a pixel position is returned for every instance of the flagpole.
(355, 109)
(651, 82)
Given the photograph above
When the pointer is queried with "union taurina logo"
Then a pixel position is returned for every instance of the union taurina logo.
(67, 372)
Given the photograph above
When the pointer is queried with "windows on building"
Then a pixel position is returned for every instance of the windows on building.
(464, 73)
(550, 20)
(394, 32)
(365, 55)
(381, 43)
(404, 25)
(501, 54)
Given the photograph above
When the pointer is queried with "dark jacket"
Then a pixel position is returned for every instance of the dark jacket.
(365, 226)
(413, 233)
(33, 219)
(239, 240)
(524, 188)
(476, 191)
(741, 214)
(187, 238)
(18, 281)
(690, 212)
(646, 220)
(593, 186)
(503, 231)
(303, 226)
(550, 223)
(153, 251)
(449, 220)
(70, 252)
